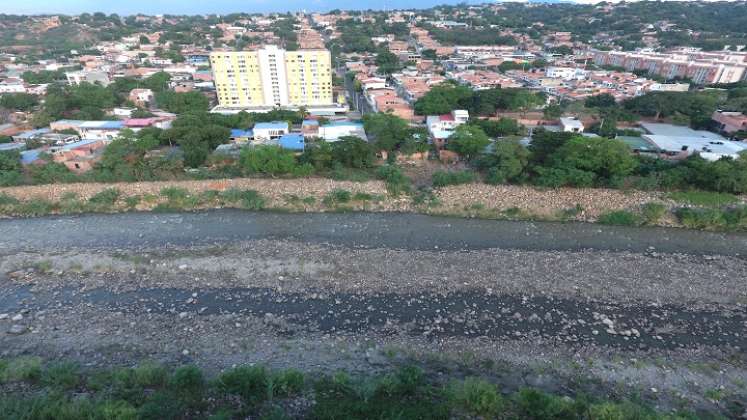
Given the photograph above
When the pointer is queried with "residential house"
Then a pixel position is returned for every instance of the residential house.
(80, 156)
(334, 130)
(266, 131)
(571, 125)
(441, 127)
(141, 97)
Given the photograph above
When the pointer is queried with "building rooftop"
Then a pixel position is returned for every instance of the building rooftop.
(660, 129)
(102, 125)
(292, 141)
(273, 125)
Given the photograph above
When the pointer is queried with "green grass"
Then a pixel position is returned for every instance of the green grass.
(7, 200)
(61, 390)
(652, 213)
(703, 198)
(26, 369)
(620, 218)
(477, 397)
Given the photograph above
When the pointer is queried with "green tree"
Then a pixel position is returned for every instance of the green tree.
(507, 162)
(269, 160)
(180, 103)
(353, 152)
(387, 62)
(468, 141)
(387, 131)
(19, 101)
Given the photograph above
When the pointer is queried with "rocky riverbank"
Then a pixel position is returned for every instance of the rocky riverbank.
(564, 307)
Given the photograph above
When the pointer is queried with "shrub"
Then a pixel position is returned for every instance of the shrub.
(132, 201)
(337, 196)
(534, 404)
(620, 217)
(248, 199)
(396, 182)
(7, 200)
(708, 219)
(22, 369)
(269, 160)
(361, 196)
(444, 178)
(35, 207)
(477, 397)
(251, 383)
(104, 197)
(159, 406)
(188, 384)
(287, 382)
(174, 193)
(62, 376)
(653, 212)
(150, 374)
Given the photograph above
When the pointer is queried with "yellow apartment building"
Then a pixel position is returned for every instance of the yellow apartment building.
(271, 77)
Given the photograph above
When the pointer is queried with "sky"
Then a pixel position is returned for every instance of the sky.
(152, 7)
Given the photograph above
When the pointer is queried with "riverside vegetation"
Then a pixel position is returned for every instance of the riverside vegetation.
(33, 389)
(694, 210)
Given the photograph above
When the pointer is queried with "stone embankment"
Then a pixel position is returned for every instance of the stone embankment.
(540, 203)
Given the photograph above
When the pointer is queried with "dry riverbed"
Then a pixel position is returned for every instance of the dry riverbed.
(564, 307)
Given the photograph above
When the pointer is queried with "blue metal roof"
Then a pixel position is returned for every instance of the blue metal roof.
(273, 125)
(4, 147)
(71, 146)
(293, 141)
(235, 132)
(103, 125)
(29, 156)
(310, 122)
(344, 124)
(32, 133)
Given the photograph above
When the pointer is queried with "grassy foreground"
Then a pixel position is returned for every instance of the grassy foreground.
(31, 389)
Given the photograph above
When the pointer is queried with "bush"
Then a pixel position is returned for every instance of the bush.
(251, 383)
(707, 219)
(248, 199)
(337, 196)
(396, 181)
(174, 193)
(36, 207)
(537, 405)
(269, 160)
(150, 374)
(444, 178)
(653, 212)
(105, 197)
(477, 397)
(620, 217)
(63, 376)
(7, 200)
(287, 382)
(188, 384)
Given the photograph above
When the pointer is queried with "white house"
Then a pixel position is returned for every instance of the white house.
(334, 130)
(571, 125)
(265, 131)
(441, 127)
(565, 73)
(78, 77)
